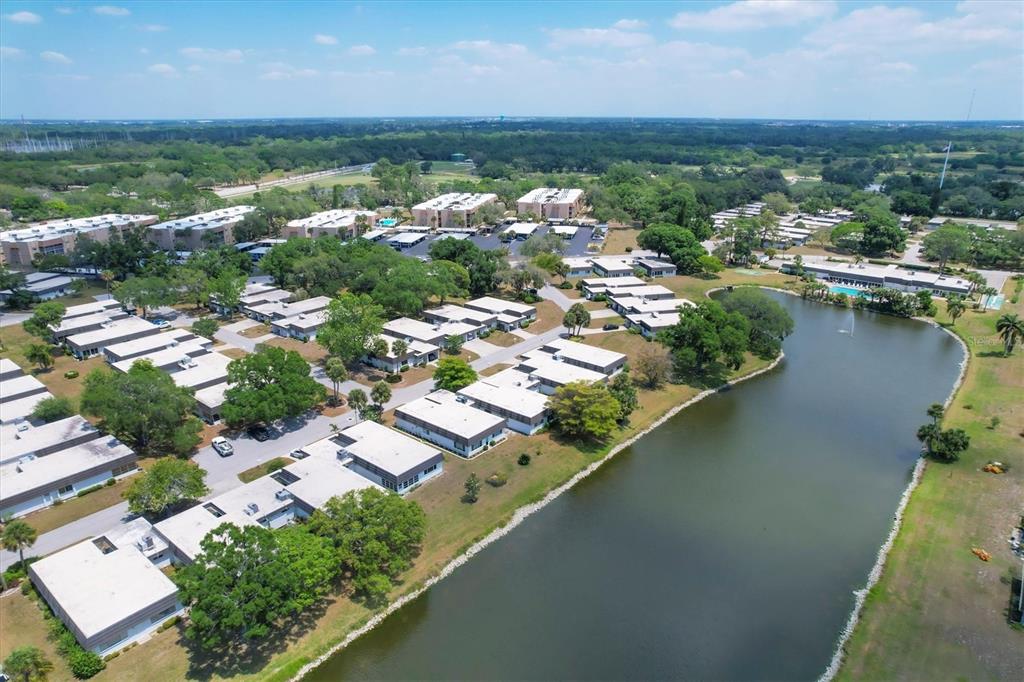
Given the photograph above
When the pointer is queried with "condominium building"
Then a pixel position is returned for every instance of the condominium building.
(551, 204)
(453, 210)
(388, 457)
(343, 223)
(434, 333)
(509, 314)
(416, 353)
(889, 276)
(89, 343)
(279, 309)
(60, 237)
(445, 419)
(524, 410)
(43, 286)
(199, 231)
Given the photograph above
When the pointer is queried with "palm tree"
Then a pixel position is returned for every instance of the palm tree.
(1011, 329)
(27, 664)
(17, 536)
(107, 276)
(335, 370)
(955, 307)
(380, 394)
(39, 353)
(357, 400)
(935, 411)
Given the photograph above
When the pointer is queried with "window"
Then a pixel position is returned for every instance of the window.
(66, 490)
(123, 469)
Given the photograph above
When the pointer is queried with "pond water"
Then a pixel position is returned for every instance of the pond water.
(726, 544)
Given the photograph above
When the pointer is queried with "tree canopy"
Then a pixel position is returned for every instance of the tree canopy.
(165, 486)
(453, 373)
(769, 322)
(268, 385)
(584, 410)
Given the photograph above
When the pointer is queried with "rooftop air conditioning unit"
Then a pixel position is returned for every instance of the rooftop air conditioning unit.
(173, 343)
(282, 494)
(251, 508)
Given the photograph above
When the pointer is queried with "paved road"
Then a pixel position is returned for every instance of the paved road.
(222, 472)
(227, 192)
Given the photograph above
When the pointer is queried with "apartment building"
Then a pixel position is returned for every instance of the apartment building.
(509, 314)
(523, 409)
(445, 419)
(551, 203)
(343, 223)
(199, 231)
(60, 237)
(44, 286)
(388, 457)
(89, 343)
(453, 210)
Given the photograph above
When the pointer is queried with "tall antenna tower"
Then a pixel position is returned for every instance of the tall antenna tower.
(949, 147)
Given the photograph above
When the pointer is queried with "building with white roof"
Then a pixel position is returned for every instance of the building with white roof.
(318, 479)
(254, 294)
(650, 323)
(653, 267)
(626, 304)
(417, 353)
(406, 240)
(549, 374)
(302, 326)
(31, 482)
(594, 286)
(614, 267)
(280, 309)
(20, 386)
(44, 286)
(551, 204)
(22, 439)
(520, 231)
(9, 369)
(456, 313)
(443, 418)
(565, 231)
(453, 210)
(889, 276)
(199, 231)
(86, 344)
(388, 457)
(85, 323)
(107, 306)
(20, 409)
(509, 314)
(343, 223)
(524, 410)
(20, 246)
(108, 594)
(606, 362)
(433, 333)
(173, 338)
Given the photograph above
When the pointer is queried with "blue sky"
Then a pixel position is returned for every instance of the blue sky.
(758, 59)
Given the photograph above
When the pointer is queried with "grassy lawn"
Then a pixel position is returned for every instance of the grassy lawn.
(503, 339)
(494, 369)
(618, 239)
(311, 351)
(232, 352)
(598, 322)
(260, 470)
(415, 375)
(255, 331)
(13, 342)
(549, 316)
(938, 612)
(22, 624)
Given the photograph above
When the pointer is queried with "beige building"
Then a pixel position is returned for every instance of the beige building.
(343, 223)
(454, 210)
(20, 246)
(199, 231)
(551, 204)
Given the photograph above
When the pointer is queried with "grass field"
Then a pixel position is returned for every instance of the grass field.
(255, 331)
(504, 339)
(260, 470)
(618, 239)
(311, 351)
(13, 342)
(938, 612)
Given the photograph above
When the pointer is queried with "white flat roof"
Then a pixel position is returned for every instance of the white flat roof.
(644, 291)
(457, 313)
(74, 311)
(25, 476)
(212, 397)
(637, 304)
(20, 408)
(166, 356)
(614, 282)
(543, 366)
(97, 591)
(415, 347)
(517, 400)
(585, 353)
(20, 387)
(112, 330)
(456, 201)
(149, 344)
(551, 195)
(205, 221)
(17, 443)
(82, 321)
(499, 305)
(522, 228)
(425, 331)
(303, 321)
(443, 410)
(321, 478)
(7, 365)
(513, 377)
(51, 229)
(202, 369)
(339, 217)
(386, 448)
(265, 296)
(615, 264)
(280, 309)
(565, 230)
(654, 320)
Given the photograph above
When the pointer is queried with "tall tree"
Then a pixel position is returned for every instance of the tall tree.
(358, 401)
(352, 322)
(955, 307)
(46, 315)
(1011, 329)
(40, 354)
(576, 318)
(334, 369)
(145, 293)
(268, 385)
(27, 664)
(453, 374)
(17, 537)
(165, 487)
(380, 394)
(226, 288)
(951, 242)
(770, 324)
(624, 392)
(144, 408)
(584, 410)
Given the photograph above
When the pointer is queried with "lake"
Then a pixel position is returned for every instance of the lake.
(726, 544)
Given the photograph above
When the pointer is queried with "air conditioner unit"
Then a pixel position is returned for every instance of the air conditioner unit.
(251, 508)
(282, 494)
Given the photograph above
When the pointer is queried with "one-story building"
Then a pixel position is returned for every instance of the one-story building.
(443, 418)
(510, 314)
(456, 313)
(414, 330)
(279, 309)
(24, 439)
(594, 286)
(417, 353)
(303, 326)
(173, 338)
(87, 344)
(388, 457)
(890, 276)
(524, 410)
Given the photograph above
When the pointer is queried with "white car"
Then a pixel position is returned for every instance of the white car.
(222, 446)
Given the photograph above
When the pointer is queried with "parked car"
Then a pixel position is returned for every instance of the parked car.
(298, 454)
(610, 327)
(161, 323)
(222, 446)
(259, 433)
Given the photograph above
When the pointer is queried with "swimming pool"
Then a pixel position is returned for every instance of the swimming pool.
(849, 291)
(387, 222)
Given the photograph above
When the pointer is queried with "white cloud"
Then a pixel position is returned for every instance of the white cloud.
(153, 28)
(165, 70)
(754, 14)
(24, 18)
(490, 48)
(54, 57)
(279, 71)
(209, 54)
(629, 24)
(8, 52)
(362, 50)
(412, 51)
(562, 38)
(324, 39)
(111, 11)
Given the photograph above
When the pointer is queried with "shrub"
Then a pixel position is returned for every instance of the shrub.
(565, 285)
(85, 664)
(600, 298)
(275, 465)
(484, 334)
(26, 588)
(92, 489)
(405, 368)
(110, 481)
(58, 502)
(393, 378)
(169, 623)
(524, 459)
(110, 657)
(71, 374)
(497, 480)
